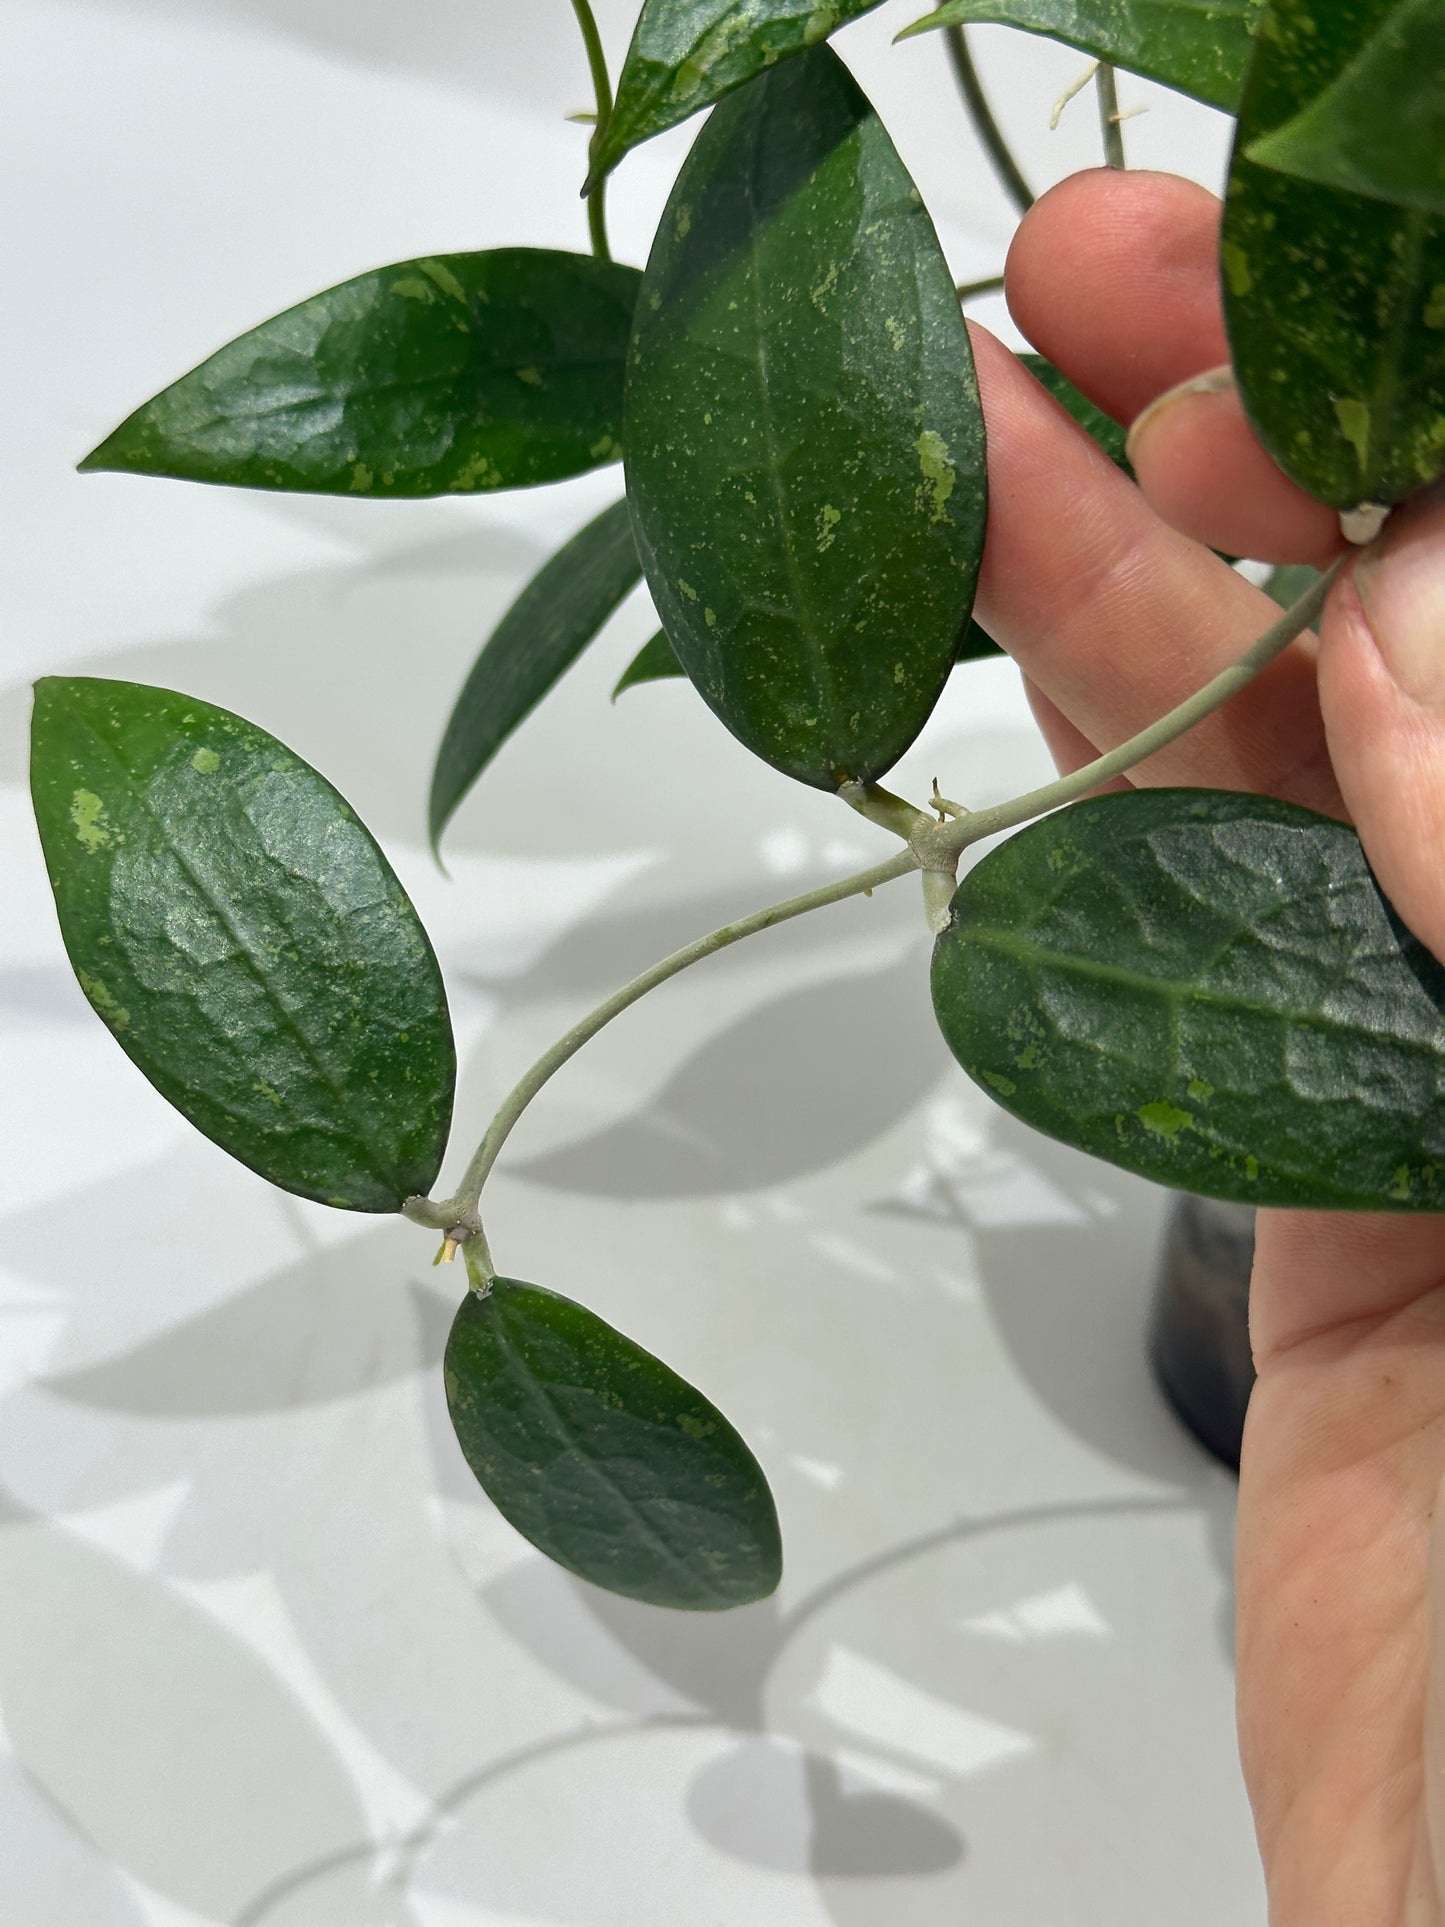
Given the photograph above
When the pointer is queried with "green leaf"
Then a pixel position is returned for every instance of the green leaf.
(604, 1458)
(1379, 127)
(1287, 583)
(443, 376)
(1209, 989)
(654, 662)
(245, 940)
(804, 441)
(541, 635)
(1200, 47)
(1335, 303)
(1101, 429)
(686, 54)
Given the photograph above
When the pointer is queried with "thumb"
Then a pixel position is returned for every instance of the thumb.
(1382, 694)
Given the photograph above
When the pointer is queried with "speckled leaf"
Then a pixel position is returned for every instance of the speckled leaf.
(245, 940)
(804, 441)
(686, 54)
(1335, 302)
(604, 1458)
(1200, 47)
(442, 376)
(541, 636)
(1209, 989)
(1379, 127)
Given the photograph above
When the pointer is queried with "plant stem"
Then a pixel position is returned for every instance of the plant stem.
(602, 87)
(977, 824)
(991, 284)
(987, 128)
(458, 1214)
(1109, 115)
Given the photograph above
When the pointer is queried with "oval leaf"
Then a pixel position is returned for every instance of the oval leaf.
(686, 54)
(541, 635)
(245, 940)
(1379, 127)
(1335, 302)
(804, 441)
(604, 1458)
(1200, 47)
(1209, 989)
(444, 376)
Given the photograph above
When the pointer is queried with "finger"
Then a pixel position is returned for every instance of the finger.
(1203, 469)
(1117, 617)
(1115, 277)
(1069, 747)
(1382, 688)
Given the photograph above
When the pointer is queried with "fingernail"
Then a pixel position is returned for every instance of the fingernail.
(1401, 586)
(1214, 381)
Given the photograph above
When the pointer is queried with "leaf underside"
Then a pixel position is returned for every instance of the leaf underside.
(686, 54)
(804, 440)
(244, 939)
(1199, 47)
(604, 1458)
(1209, 989)
(1334, 301)
(538, 639)
(1379, 127)
(443, 376)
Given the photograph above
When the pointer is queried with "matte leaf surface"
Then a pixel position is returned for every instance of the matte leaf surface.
(1334, 301)
(541, 635)
(1379, 127)
(655, 661)
(686, 54)
(1209, 989)
(245, 940)
(604, 1458)
(1200, 47)
(443, 376)
(804, 441)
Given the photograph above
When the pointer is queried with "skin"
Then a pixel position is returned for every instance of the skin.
(1115, 612)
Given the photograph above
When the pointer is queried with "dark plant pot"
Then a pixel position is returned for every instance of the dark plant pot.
(1199, 1331)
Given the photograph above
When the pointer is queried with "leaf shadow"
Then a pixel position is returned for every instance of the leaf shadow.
(796, 1086)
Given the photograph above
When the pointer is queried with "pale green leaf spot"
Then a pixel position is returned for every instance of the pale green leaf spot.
(937, 470)
(102, 1000)
(1163, 1118)
(1354, 419)
(92, 827)
(206, 762)
(1235, 263)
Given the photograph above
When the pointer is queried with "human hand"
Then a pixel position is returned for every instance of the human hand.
(1115, 612)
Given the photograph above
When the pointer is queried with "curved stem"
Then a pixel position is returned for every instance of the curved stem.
(602, 87)
(977, 824)
(1109, 115)
(458, 1214)
(981, 114)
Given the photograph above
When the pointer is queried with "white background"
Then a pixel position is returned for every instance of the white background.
(266, 1656)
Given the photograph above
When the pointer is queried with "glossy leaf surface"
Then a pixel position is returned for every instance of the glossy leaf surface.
(604, 1458)
(1379, 127)
(686, 54)
(541, 635)
(1200, 47)
(1334, 301)
(1209, 989)
(444, 376)
(245, 940)
(804, 441)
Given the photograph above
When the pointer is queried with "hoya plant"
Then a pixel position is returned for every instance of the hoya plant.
(1193, 984)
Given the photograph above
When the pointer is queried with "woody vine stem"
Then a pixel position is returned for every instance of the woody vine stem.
(934, 845)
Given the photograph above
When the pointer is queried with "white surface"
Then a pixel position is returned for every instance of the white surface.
(265, 1654)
